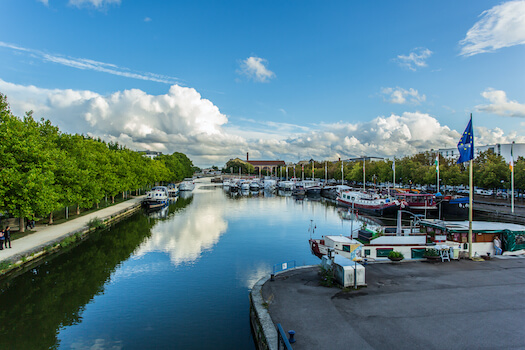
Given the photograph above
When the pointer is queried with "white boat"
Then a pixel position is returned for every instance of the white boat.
(254, 186)
(269, 184)
(173, 191)
(245, 185)
(157, 198)
(286, 185)
(378, 243)
(187, 185)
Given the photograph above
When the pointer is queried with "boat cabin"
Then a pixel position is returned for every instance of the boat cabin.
(483, 233)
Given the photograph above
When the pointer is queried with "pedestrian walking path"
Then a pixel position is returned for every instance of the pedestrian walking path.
(49, 234)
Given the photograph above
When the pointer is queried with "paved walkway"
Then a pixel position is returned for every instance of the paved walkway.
(413, 305)
(46, 235)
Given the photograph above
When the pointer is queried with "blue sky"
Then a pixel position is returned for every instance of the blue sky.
(279, 79)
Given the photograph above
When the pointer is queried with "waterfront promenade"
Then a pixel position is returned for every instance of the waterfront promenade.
(49, 234)
(454, 305)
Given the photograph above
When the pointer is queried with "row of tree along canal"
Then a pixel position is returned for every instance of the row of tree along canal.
(43, 170)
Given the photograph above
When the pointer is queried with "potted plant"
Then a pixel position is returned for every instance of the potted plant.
(395, 256)
(431, 254)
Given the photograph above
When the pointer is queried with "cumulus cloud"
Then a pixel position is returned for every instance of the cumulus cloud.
(255, 68)
(415, 59)
(401, 96)
(88, 64)
(182, 120)
(93, 3)
(500, 105)
(501, 26)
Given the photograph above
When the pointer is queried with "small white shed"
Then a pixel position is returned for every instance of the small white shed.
(344, 270)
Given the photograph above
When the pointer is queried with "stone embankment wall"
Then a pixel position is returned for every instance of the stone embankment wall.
(29, 257)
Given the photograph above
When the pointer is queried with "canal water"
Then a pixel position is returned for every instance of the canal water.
(177, 279)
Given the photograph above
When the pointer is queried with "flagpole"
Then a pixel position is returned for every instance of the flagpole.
(364, 177)
(342, 176)
(471, 195)
(437, 170)
(512, 178)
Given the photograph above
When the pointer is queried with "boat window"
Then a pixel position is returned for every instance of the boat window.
(346, 248)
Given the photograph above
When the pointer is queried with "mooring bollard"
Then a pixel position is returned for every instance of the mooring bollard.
(272, 277)
(292, 339)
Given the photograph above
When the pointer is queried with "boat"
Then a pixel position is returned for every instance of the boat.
(187, 185)
(269, 184)
(157, 198)
(298, 189)
(376, 244)
(173, 191)
(417, 202)
(332, 192)
(245, 185)
(286, 185)
(455, 234)
(455, 206)
(255, 186)
(368, 203)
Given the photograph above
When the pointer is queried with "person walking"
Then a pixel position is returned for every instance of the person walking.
(2, 239)
(7, 236)
(497, 246)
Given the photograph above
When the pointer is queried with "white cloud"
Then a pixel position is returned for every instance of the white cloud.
(401, 96)
(501, 26)
(415, 59)
(45, 2)
(181, 120)
(93, 3)
(147, 19)
(500, 105)
(87, 64)
(255, 68)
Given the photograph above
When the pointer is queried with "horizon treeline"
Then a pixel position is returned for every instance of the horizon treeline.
(43, 169)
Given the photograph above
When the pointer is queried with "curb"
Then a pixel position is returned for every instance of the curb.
(264, 331)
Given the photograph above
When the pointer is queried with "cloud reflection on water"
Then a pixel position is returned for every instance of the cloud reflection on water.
(185, 235)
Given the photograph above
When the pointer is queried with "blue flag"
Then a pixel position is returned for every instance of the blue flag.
(466, 144)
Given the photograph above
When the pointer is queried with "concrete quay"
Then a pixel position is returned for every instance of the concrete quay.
(409, 305)
(33, 246)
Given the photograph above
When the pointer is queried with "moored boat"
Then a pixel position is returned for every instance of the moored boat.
(417, 202)
(157, 198)
(187, 185)
(364, 202)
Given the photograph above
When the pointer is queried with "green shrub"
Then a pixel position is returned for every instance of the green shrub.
(96, 223)
(395, 255)
(327, 277)
(4, 265)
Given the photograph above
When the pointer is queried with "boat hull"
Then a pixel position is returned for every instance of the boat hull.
(379, 209)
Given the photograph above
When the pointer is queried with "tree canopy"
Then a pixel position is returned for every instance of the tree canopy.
(43, 169)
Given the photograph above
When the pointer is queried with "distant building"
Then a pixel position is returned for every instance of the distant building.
(150, 154)
(268, 165)
(499, 148)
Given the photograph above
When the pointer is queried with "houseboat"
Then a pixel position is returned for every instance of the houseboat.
(455, 233)
(368, 203)
(417, 202)
(157, 198)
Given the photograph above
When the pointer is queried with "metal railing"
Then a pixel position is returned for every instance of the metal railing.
(281, 339)
(283, 266)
